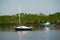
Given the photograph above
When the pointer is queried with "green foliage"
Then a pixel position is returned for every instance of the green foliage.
(26, 18)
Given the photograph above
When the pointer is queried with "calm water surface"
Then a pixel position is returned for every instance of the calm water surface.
(31, 35)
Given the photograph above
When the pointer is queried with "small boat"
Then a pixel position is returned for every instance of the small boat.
(23, 28)
(48, 25)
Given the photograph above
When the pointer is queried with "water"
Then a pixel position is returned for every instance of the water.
(31, 35)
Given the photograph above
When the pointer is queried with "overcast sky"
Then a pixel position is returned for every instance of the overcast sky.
(9, 7)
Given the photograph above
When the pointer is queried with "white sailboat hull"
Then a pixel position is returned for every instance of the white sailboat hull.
(23, 28)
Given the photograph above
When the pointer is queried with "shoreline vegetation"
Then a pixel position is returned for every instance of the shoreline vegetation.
(29, 19)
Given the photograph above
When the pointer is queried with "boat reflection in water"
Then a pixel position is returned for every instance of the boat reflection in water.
(47, 28)
(21, 34)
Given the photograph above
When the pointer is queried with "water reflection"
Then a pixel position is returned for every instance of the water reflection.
(23, 33)
(43, 35)
(46, 29)
(8, 33)
(6, 28)
(31, 35)
(35, 28)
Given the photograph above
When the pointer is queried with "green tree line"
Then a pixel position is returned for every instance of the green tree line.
(26, 18)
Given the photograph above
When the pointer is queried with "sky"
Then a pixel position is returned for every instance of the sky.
(10, 7)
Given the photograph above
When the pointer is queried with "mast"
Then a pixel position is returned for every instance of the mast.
(19, 13)
(19, 22)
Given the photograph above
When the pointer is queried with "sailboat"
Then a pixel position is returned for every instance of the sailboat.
(22, 27)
